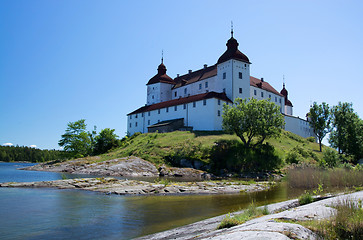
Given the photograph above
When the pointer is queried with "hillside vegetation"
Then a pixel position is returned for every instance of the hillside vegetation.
(214, 151)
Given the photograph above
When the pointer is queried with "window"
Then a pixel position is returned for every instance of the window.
(280, 100)
(184, 106)
(219, 113)
(175, 108)
(204, 102)
(219, 101)
(142, 114)
(240, 75)
(206, 84)
(158, 111)
(224, 90)
(136, 116)
(153, 97)
(175, 94)
(185, 91)
(167, 109)
(130, 125)
(224, 75)
(269, 96)
(262, 94)
(135, 124)
(275, 99)
(148, 113)
(194, 104)
(130, 116)
(255, 92)
(200, 86)
(245, 65)
(148, 122)
(240, 90)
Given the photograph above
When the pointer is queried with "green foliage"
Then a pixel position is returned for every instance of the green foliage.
(27, 154)
(293, 157)
(76, 139)
(306, 198)
(105, 141)
(236, 157)
(330, 158)
(79, 142)
(311, 139)
(251, 212)
(347, 133)
(253, 119)
(320, 120)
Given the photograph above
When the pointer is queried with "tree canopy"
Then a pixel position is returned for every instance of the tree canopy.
(80, 142)
(252, 119)
(347, 131)
(319, 115)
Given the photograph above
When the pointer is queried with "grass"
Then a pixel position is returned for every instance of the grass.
(306, 198)
(251, 212)
(202, 147)
(310, 177)
(345, 223)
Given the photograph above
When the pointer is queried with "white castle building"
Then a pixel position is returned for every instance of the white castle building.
(194, 101)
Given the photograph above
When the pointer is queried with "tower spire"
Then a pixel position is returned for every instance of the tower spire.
(232, 29)
(283, 81)
(162, 56)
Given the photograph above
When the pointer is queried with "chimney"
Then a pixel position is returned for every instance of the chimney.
(261, 79)
(177, 75)
(205, 65)
(190, 71)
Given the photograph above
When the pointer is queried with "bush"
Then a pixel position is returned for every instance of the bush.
(293, 157)
(306, 198)
(311, 139)
(330, 158)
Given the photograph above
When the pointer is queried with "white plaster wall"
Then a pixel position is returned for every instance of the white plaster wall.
(244, 83)
(298, 126)
(200, 117)
(288, 110)
(280, 101)
(153, 93)
(193, 88)
(165, 92)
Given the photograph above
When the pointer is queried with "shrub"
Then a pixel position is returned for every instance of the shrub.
(311, 139)
(330, 158)
(305, 198)
(293, 157)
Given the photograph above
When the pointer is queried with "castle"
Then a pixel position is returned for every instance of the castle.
(194, 101)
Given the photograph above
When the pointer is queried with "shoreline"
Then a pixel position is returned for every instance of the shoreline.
(111, 185)
(276, 225)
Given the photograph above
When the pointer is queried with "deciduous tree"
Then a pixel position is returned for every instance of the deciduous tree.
(253, 119)
(320, 120)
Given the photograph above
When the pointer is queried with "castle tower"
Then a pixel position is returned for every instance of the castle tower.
(233, 71)
(159, 86)
(288, 104)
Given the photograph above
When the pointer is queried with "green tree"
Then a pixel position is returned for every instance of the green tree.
(347, 132)
(320, 120)
(253, 119)
(105, 141)
(76, 139)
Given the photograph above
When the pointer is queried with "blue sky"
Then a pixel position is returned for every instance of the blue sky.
(61, 61)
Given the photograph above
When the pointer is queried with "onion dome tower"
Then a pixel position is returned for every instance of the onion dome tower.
(288, 104)
(159, 86)
(232, 52)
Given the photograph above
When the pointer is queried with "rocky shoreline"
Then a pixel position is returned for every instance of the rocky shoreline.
(272, 226)
(111, 185)
(126, 167)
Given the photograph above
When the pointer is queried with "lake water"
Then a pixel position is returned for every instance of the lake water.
(30, 213)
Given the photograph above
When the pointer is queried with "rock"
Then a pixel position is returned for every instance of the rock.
(186, 163)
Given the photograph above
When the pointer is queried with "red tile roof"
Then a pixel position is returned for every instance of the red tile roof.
(161, 76)
(263, 85)
(196, 76)
(232, 52)
(180, 101)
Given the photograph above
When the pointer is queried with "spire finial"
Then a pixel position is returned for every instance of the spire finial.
(283, 80)
(231, 28)
(162, 56)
